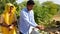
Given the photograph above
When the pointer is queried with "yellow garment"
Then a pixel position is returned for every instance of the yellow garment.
(8, 19)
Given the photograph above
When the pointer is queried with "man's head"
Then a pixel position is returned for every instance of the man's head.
(30, 5)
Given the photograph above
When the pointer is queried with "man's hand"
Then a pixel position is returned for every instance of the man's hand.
(40, 27)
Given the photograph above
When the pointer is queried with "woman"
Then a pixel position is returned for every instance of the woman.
(9, 19)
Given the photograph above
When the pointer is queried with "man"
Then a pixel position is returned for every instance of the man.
(27, 19)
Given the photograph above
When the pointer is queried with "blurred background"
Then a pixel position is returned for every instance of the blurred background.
(46, 12)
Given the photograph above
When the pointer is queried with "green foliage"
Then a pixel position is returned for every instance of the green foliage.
(51, 6)
(43, 12)
(21, 6)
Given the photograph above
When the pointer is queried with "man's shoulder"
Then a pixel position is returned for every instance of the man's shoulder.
(23, 10)
(32, 11)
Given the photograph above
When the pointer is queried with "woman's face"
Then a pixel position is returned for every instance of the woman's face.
(11, 8)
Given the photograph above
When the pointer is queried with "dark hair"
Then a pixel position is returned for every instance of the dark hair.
(30, 2)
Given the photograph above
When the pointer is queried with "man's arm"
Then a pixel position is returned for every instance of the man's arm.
(24, 15)
(32, 19)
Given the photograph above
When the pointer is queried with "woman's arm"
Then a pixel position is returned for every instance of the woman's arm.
(2, 21)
